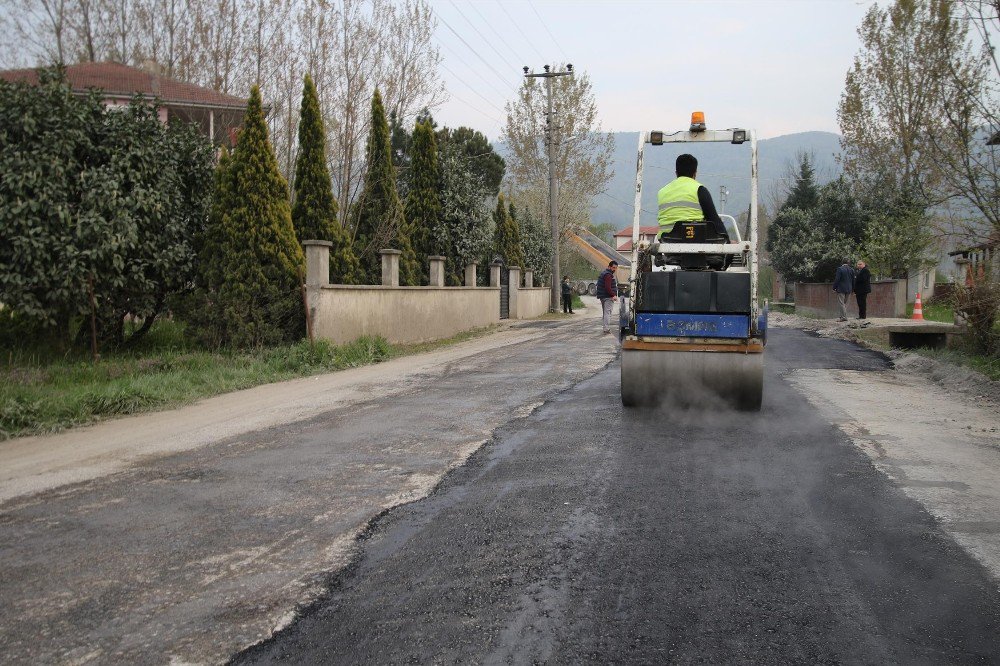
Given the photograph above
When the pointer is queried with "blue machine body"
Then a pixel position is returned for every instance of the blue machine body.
(674, 324)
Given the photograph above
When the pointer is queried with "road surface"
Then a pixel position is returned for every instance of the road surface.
(591, 534)
(492, 502)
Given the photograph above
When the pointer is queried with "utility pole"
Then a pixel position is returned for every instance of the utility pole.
(550, 145)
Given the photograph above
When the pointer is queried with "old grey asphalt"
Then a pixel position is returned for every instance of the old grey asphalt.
(192, 556)
(589, 533)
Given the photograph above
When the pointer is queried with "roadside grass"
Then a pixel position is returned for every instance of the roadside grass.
(42, 393)
(934, 311)
(956, 355)
(577, 302)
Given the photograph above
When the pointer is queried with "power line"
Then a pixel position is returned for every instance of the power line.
(483, 97)
(627, 203)
(544, 25)
(496, 120)
(489, 24)
(516, 25)
(492, 86)
(474, 51)
(486, 41)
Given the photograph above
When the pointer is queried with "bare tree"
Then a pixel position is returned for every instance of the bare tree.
(583, 152)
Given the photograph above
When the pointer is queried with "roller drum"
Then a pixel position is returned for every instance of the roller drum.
(692, 378)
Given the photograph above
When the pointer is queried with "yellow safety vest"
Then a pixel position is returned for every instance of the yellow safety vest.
(678, 202)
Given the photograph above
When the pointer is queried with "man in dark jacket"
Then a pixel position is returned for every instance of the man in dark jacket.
(862, 287)
(607, 291)
(567, 296)
(843, 284)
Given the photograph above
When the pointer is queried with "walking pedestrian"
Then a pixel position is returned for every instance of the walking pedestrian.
(607, 291)
(862, 287)
(843, 284)
(567, 296)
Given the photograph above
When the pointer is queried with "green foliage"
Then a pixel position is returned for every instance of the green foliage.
(424, 225)
(837, 209)
(379, 220)
(484, 164)
(314, 214)
(466, 215)
(536, 243)
(507, 239)
(801, 250)
(804, 194)
(894, 244)
(253, 261)
(87, 194)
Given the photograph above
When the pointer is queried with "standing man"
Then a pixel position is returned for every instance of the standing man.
(862, 287)
(607, 291)
(567, 295)
(843, 284)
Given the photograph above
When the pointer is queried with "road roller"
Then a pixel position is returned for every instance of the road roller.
(692, 331)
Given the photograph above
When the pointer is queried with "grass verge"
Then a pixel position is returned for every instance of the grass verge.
(989, 366)
(42, 395)
(934, 312)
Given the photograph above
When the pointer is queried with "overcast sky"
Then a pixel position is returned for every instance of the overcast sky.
(774, 65)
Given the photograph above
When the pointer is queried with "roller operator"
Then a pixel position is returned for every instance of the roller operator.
(684, 199)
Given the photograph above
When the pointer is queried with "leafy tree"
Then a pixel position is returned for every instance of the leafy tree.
(804, 195)
(583, 153)
(536, 243)
(379, 217)
(254, 291)
(466, 214)
(893, 95)
(507, 239)
(423, 203)
(314, 214)
(485, 165)
(838, 210)
(91, 198)
(801, 250)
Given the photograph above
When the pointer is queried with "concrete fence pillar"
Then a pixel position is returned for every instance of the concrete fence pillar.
(515, 284)
(470, 274)
(495, 273)
(529, 279)
(317, 262)
(390, 267)
(515, 277)
(437, 270)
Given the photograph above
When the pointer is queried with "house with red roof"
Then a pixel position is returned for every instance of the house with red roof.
(623, 239)
(218, 115)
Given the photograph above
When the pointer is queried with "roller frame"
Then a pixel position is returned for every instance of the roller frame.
(668, 372)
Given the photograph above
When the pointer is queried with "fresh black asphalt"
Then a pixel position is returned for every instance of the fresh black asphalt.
(590, 533)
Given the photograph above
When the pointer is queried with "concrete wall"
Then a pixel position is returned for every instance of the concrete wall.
(531, 302)
(342, 313)
(888, 299)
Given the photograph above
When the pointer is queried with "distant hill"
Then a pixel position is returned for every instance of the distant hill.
(718, 164)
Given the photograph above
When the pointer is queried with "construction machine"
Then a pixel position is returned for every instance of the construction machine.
(692, 330)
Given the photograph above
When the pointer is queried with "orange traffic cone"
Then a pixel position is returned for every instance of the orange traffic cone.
(918, 309)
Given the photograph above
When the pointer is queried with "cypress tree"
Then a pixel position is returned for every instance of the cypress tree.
(804, 195)
(259, 260)
(314, 214)
(507, 239)
(423, 202)
(379, 218)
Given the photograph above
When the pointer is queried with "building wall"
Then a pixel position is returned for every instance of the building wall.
(342, 313)
(888, 299)
(532, 302)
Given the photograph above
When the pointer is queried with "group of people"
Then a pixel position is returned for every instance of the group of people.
(848, 281)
